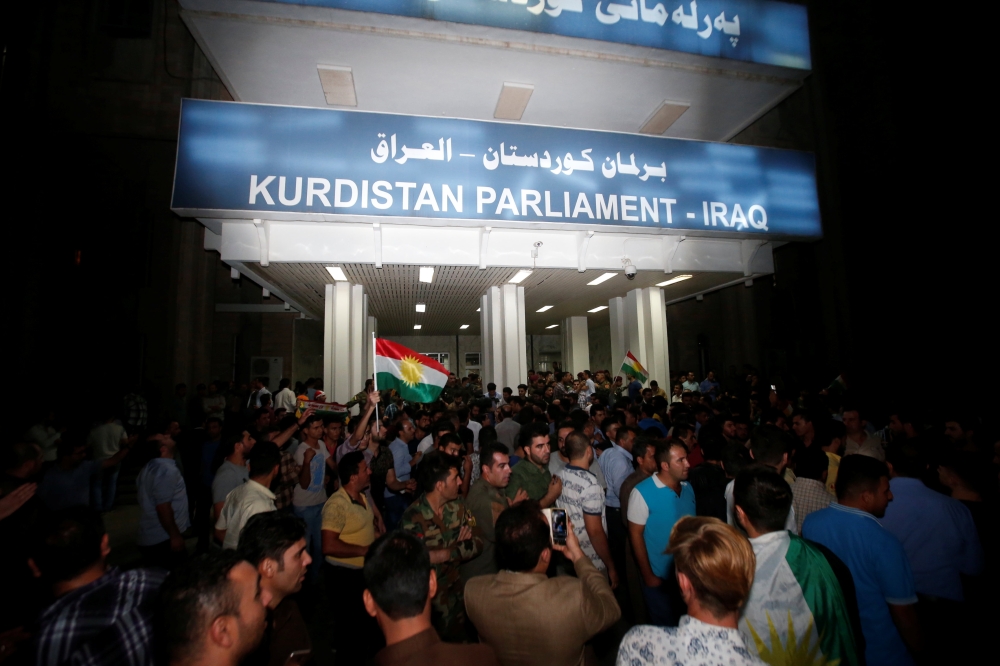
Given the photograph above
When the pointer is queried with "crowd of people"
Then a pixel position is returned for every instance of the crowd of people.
(703, 525)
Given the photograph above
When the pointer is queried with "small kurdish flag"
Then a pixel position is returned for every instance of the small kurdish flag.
(632, 368)
(415, 377)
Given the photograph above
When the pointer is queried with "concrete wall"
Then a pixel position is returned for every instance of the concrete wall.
(600, 348)
(307, 349)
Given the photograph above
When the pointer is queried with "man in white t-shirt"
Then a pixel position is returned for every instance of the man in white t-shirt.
(251, 498)
(104, 442)
(583, 499)
(465, 421)
(429, 442)
(285, 397)
(310, 492)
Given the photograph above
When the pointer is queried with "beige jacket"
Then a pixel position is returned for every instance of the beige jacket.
(532, 619)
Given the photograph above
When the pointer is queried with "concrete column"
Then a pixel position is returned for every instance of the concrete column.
(575, 344)
(645, 330)
(344, 349)
(616, 315)
(504, 348)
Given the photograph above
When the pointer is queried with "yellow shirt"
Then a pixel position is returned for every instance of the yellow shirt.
(831, 472)
(354, 521)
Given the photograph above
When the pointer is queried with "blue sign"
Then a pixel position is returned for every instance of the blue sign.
(762, 31)
(258, 159)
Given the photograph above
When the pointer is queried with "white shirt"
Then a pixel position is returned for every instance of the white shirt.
(790, 524)
(475, 428)
(106, 440)
(285, 399)
(691, 643)
(425, 444)
(241, 504)
(316, 492)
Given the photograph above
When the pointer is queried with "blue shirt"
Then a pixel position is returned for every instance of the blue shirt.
(653, 423)
(208, 451)
(616, 463)
(160, 482)
(938, 536)
(635, 390)
(658, 507)
(65, 488)
(707, 386)
(400, 463)
(881, 575)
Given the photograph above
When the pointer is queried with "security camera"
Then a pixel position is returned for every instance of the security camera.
(630, 271)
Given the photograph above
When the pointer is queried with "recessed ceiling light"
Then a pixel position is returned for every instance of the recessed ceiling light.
(679, 278)
(464, 326)
(520, 275)
(552, 326)
(479, 309)
(416, 327)
(427, 274)
(599, 308)
(544, 308)
(603, 278)
(337, 273)
(421, 307)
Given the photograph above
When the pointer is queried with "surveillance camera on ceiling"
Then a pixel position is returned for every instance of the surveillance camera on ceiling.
(630, 270)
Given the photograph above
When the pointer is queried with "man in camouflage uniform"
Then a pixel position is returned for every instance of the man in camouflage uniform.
(441, 520)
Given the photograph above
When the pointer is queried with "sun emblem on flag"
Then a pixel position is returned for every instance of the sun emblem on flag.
(412, 370)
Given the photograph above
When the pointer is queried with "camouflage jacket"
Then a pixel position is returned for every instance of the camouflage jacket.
(448, 604)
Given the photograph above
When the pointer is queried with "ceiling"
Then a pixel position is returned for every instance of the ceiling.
(269, 53)
(453, 297)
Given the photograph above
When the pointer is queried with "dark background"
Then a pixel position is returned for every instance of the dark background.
(897, 296)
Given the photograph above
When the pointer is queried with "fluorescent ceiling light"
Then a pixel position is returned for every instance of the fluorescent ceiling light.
(599, 308)
(520, 275)
(337, 272)
(421, 307)
(479, 309)
(679, 278)
(427, 274)
(464, 326)
(552, 326)
(416, 327)
(664, 116)
(513, 100)
(338, 85)
(603, 278)
(544, 308)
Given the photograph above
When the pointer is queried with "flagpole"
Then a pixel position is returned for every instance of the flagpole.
(374, 374)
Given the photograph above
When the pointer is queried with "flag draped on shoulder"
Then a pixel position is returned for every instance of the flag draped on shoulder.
(415, 377)
(796, 613)
(632, 368)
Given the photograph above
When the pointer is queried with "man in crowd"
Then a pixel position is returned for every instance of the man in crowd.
(486, 500)
(348, 531)
(233, 472)
(275, 543)
(102, 616)
(507, 429)
(941, 544)
(690, 384)
(882, 576)
(796, 598)
(714, 571)
(285, 397)
(527, 617)
(400, 586)
(644, 457)
(858, 438)
(559, 460)
(709, 479)
(104, 441)
(803, 427)
(654, 506)
(397, 497)
(583, 501)
(438, 430)
(616, 463)
(213, 405)
(709, 387)
(532, 474)
(258, 388)
(313, 460)
(440, 519)
(647, 421)
(68, 482)
(202, 476)
(809, 489)
(251, 498)
(212, 610)
(769, 446)
(163, 506)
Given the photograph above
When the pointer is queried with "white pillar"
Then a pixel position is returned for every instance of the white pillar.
(616, 314)
(575, 345)
(371, 329)
(504, 345)
(641, 321)
(344, 347)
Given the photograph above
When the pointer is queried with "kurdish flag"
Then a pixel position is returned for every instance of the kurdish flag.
(632, 368)
(796, 613)
(415, 377)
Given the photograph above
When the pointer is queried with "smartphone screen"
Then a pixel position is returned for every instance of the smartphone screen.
(559, 527)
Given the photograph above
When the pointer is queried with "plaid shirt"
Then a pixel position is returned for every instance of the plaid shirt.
(105, 623)
(136, 410)
(288, 476)
(808, 495)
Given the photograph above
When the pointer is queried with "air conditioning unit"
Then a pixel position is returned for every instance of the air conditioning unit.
(268, 367)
